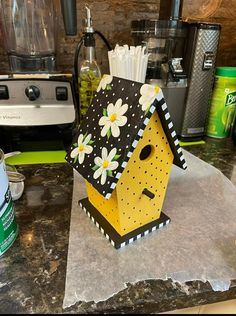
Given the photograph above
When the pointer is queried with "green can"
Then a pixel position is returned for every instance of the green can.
(223, 103)
(8, 225)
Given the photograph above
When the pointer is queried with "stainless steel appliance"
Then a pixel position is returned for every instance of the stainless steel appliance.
(37, 102)
(182, 62)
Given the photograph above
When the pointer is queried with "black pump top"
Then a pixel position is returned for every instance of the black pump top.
(89, 40)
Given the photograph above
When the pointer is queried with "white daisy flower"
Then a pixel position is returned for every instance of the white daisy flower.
(105, 164)
(113, 119)
(148, 94)
(82, 148)
(106, 80)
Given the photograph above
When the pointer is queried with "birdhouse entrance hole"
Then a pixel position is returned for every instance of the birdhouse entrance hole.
(146, 152)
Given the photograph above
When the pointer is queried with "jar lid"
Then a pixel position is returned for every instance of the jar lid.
(226, 71)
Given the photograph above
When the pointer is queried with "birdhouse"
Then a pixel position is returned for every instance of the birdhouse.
(124, 149)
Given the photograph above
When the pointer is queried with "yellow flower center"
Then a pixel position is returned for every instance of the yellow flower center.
(113, 117)
(105, 164)
(156, 89)
(81, 147)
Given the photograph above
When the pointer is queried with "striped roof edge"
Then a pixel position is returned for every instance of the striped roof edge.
(169, 130)
(160, 106)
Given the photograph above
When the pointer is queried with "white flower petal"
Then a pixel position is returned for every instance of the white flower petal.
(104, 84)
(103, 120)
(115, 131)
(146, 101)
(81, 157)
(108, 78)
(99, 86)
(111, 155)
(113, 165)
(118, 104)
(88, 149)
(145, 98)
(105, 129)
(104, 153)
(74, 152)
(80, 139)
(148, 95)
(104, 177)
(110, 109)
(123, 109)
(121, 121)
(147, 89)
(98, 161)
(97, 173)
(145, 106)
(87, 139)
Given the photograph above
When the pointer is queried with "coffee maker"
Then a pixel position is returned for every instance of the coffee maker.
(182, 57)
(38, 103)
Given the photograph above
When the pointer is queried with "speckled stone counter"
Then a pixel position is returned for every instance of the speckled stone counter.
(33, 270)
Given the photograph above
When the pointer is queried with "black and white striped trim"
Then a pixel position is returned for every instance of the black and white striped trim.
(145, 233)
(121, 241)
(97, 224)
(171, 135)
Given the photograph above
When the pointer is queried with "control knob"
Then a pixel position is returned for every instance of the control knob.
(32, 92)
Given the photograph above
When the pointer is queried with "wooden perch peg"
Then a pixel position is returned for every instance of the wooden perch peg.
(148, 193)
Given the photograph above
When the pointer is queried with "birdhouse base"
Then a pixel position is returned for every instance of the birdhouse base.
(111, 234)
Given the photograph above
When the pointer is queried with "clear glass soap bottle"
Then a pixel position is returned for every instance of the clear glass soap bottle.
(89, 73)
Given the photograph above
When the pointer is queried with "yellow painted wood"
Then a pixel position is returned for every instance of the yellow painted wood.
(108, 208)
(152, 173)
(129, 209)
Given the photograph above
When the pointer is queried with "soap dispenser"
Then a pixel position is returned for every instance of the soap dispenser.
(89, 73)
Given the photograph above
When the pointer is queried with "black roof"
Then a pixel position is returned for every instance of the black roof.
(112, 127)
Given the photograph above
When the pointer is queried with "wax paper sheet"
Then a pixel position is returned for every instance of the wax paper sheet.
(198, 244)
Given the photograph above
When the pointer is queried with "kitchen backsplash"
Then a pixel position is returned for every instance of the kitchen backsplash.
(113, 18)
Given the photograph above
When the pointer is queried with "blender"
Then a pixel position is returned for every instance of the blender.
(30, 34)
(165, 40)
(38, 104)
(182, 56)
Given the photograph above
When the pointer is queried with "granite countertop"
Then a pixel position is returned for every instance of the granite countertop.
(33, 270)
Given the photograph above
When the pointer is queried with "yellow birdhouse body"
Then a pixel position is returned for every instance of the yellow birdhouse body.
(128, 208)
(124, 149)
